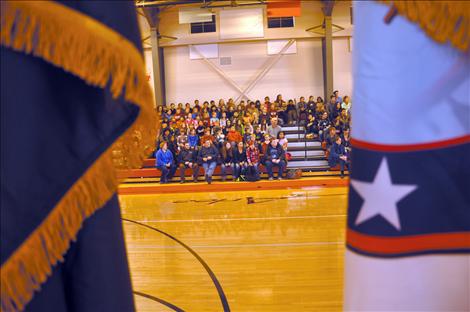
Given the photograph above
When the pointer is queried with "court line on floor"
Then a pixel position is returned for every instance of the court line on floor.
(240, 219)
(165, 303)
(244, 245)
(218, 286)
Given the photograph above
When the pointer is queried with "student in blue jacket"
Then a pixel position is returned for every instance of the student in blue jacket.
(338, 155)
(164, 162)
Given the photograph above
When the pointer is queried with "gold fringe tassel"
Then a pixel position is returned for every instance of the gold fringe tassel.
(98, 55)
(443, 21)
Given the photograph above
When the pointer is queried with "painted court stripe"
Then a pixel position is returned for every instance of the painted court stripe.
(241, 219)
(159, 300)
(218, 286)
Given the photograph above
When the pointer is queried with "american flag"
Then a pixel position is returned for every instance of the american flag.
(408, 229)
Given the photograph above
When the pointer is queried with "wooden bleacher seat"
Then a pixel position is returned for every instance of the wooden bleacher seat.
(155, 173)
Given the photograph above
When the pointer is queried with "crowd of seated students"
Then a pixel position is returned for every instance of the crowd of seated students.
(242, 136)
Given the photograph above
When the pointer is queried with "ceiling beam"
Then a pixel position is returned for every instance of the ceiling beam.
(328, 6)
(151, 15)
(143, 4)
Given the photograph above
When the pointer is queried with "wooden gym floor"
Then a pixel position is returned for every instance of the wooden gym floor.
(264, 250)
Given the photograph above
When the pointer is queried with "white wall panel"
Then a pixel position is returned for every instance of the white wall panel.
(276, 46)
(241, 23)
(207, 50)
(342, 66)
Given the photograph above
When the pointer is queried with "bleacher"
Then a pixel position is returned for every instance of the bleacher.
(307, 155)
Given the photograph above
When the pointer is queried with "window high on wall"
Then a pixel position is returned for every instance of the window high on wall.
(203, 27)
(280, 22)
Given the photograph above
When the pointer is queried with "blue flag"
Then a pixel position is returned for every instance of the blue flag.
(75, 106)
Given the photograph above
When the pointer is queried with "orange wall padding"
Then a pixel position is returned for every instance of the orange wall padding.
(283, 8)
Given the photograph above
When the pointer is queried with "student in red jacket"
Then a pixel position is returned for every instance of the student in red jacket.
(253, 160)
(234, 137)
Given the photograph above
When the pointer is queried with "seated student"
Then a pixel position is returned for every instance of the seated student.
(247, 135)
(264, 116)
(187, 158)
(239, 161)
(195, 113)
(330, 137)
(248, 127)
(338, 98)
(283, 140)
(205, 119)
(303, 115)
(311, 127)
(193, 139)
(214, 119)
(338, 155)
(311, 106)
(207, 136)
(272, 110)
(230, 111)
(226, 159)
(346, 103)
(172, 145)
(346, 141)
(267, 102)
(259, 135)
(264, 126)
(164, 162)
(275, 156)
(343, 120)
(292, 114)
(264, 147)
(227, 127)
(164, 137)
(219, 137)
(253, 160)
(320, 109)
(335, 113)
(208, 156)
(274, 129)
(181, 140)
(223, 120)
(331, 105)
(234, 137)
(282, 108)
(200, 129)
(301, 104)
(323, 124)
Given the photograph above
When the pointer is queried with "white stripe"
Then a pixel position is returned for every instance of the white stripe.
(420, 283)
(408, 88)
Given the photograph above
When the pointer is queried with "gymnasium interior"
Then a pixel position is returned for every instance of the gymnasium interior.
(238, 245)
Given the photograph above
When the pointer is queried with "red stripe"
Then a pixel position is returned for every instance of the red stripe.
(409, 147)
(408, 244)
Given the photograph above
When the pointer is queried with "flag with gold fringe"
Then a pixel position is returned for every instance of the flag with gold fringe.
(408, 228)
(75, 106)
